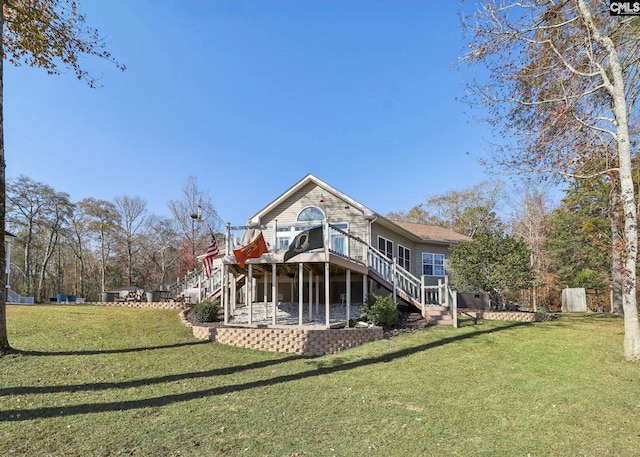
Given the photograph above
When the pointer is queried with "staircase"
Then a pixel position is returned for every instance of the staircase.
(438, 315)
(438, 304)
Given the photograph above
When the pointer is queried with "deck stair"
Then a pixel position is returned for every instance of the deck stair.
(438, 315)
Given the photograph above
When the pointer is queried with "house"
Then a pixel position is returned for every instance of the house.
(361, 252)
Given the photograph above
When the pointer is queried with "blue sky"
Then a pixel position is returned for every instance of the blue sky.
(249, 97)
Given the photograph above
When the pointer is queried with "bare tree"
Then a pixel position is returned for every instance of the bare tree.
(195, 217)
(27, 204)
(132, 213)
(563, 77)
(531, 224)
(58, 213)
(103, 222)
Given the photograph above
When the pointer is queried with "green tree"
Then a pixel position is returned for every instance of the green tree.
(50, 34)
(493, 263)
(581, 245)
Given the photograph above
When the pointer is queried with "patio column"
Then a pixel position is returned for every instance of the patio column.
(264, 295)
(248, 284)
(274, 291)
(348, 291)
(327, 302)
(310, 295)
(300, 292)
(365, 288)
(234, 293)
(225, 292)
(317, 294)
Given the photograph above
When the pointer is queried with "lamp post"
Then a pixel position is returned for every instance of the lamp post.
(195, 216)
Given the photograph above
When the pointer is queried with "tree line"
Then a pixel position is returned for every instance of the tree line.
(527, 248)
(84, 248)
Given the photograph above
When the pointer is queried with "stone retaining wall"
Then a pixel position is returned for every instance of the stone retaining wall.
(138, 304)
(308, 342)
(515, 316)
(295, 340)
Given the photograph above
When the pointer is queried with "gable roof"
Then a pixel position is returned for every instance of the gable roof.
(255, 219)
(432, 232)
(420, 232)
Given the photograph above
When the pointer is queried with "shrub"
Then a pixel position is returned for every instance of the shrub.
(381, 311)
(206, 311)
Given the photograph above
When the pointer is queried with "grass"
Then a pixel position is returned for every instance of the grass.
(96, 381)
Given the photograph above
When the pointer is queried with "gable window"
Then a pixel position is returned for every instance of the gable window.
(385, 246)
(432, 264)
(311, 213)
(404, 257)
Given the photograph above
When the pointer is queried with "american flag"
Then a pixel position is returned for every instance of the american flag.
(207, 262)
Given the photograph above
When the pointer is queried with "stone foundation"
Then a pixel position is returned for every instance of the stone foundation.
(294, 340)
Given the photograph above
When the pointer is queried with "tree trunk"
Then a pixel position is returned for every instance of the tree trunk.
(617, 307)
(4, 340)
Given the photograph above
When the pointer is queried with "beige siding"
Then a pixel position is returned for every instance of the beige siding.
(286, 213)
(416, 248)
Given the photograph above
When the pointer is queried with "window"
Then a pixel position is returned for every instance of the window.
(404, 258)
(385, 246)
(432, 264)
(310, 213)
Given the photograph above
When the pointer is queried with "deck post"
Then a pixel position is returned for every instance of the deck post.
(264, 295)
(393, 278)
(327, 301)
(225, 292)
(248, 284)
(423, 294)
(317, 294)
(454, 307)
(365, 288)
(234, 294)
(274, 291)
(310, 295)
(348, 291)
(300, 292)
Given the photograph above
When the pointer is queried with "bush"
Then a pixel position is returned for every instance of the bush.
(381, 311)
(206, 311)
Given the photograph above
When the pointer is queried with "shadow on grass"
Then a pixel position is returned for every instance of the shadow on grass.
(106, 351)
(88, 408)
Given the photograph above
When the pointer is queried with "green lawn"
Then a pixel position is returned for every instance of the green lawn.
(96, 381)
